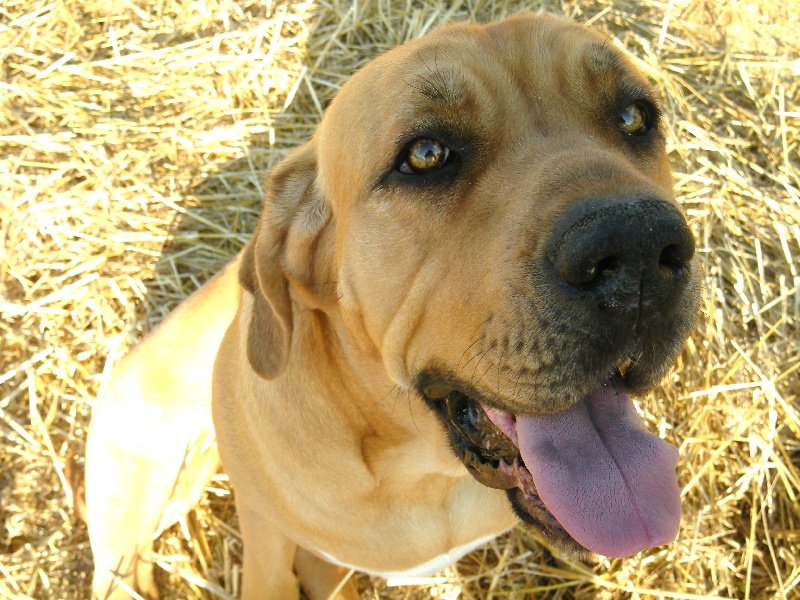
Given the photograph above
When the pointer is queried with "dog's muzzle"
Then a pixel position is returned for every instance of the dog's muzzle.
(615, 281)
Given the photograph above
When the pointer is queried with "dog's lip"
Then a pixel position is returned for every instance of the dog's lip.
(510, 472)
(506, 472)
(438, 388)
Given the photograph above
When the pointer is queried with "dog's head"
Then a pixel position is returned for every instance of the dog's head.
(489, 211)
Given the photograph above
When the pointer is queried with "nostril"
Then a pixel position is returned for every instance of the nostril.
(674, 257)
(606, 266)
(600, 272)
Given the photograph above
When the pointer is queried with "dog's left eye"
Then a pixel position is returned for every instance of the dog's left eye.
(424, 155)
(635, 119)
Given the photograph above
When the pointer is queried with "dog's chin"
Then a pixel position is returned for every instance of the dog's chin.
(484, 438)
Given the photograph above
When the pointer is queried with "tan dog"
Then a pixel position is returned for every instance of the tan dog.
(454, 287)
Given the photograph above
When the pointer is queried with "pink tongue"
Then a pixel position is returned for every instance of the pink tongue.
(609, 482)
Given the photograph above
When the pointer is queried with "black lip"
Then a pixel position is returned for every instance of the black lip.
(546, 529)
(477, 441)
(446, 384)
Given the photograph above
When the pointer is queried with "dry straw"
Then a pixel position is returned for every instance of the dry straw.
(134, 135)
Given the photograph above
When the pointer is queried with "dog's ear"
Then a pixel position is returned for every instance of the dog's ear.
(282, 249)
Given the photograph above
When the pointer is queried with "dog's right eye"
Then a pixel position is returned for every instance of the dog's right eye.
(635, 119)
(424, 155)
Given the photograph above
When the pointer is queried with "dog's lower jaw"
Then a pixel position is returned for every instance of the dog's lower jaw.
(605, 485)
(545, 529)
(492, 458)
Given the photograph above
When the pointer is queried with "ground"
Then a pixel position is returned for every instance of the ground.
(134, 135)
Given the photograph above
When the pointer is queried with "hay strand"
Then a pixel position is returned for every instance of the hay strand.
(133, 138)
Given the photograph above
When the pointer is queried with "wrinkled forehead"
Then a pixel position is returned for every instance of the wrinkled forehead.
(544, 71)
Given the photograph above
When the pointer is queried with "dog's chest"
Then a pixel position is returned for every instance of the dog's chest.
(429, 567)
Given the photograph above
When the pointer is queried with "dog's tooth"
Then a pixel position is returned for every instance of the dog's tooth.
(473, 457)
(623, 368)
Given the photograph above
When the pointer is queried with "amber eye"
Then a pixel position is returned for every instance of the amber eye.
(424, 155)
(634, 120)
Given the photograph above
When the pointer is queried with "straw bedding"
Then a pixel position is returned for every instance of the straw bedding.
(134, 135)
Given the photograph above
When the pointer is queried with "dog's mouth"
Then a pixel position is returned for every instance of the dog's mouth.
(587, 480)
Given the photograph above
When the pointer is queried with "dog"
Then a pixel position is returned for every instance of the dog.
(455, 288)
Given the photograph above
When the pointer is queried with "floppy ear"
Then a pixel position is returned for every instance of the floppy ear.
(294, 215)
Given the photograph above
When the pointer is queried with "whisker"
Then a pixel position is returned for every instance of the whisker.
(478, 364)
(499, 368)
(458, 366)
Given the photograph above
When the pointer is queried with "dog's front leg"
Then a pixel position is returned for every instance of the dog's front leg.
(320, 579)
(268, 558)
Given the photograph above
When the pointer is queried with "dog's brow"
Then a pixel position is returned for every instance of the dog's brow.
(440, 85)
(604, 59)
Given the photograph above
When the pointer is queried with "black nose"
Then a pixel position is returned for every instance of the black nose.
(627, 258)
